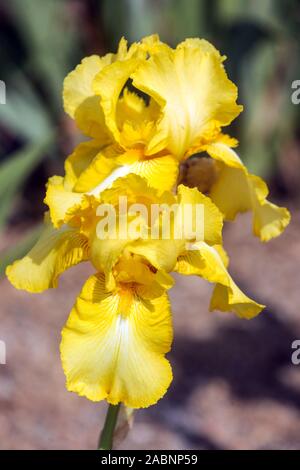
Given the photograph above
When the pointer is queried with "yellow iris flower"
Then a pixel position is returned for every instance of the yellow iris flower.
(147, 109)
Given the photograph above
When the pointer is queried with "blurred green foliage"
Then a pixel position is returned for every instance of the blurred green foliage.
(40, 41)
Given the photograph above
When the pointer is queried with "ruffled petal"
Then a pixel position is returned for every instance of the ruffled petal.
(55, 251)
(80, 102)
(193, 90)
(60, 200)
(269, 220)
(207, 262)
(113, 346)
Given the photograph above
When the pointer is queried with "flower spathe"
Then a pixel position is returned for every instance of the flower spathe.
(146, 109)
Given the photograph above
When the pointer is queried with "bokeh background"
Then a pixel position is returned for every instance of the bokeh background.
(235, 386)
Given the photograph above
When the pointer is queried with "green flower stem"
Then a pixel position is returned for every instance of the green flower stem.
(107, 433)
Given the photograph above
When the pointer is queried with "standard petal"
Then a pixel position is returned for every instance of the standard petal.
(193, 90)
(113, 346)
(80, 102)
(207, 262)
(78, 83)
(108, 85)
(55, 251)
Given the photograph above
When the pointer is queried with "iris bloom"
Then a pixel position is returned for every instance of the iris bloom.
(115, 340)
(146, 109)
(149, 108)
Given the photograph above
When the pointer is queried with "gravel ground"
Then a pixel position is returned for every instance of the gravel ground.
(234, 385)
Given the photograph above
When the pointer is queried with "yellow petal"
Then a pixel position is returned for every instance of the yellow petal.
(269, 220)
(192, 87)
(90, 171)
(131, 107)
(90, 120)
(207, 263)
(212, 218)
(136, 120)
(106, 248)
(160, 172)
(162, 254)
(80, 102)
(85, 169)
(79, 161)
(222, 151)
(113, 346)
(152, 44)
(55, 251)
(118, 104)
(108, 85)
(104, 255)
(235, 190)
(96, 172)
(223, 255)
(60, 200)
(78, 83)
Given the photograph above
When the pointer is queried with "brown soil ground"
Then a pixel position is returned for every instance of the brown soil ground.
(234, 384)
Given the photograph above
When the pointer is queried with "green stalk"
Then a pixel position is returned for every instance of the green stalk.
(107, 433)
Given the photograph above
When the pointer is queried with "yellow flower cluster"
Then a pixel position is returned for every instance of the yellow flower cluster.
(146, 110)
